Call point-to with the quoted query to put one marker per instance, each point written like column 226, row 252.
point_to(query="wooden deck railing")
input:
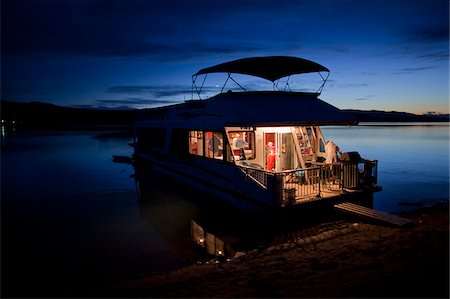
column 257, row 175
column 310, row 182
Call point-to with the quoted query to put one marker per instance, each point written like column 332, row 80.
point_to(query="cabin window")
column 310, row 135
column 207, row 143
column 242, row 144
column 196, row 143
column 214, row 144
column 178, row 146
column 151, row 138
column 322, row 146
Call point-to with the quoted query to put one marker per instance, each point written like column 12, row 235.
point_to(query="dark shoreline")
column 43, row 116
column 355, row 259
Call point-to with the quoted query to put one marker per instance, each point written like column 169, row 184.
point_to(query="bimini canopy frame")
column 271, row 68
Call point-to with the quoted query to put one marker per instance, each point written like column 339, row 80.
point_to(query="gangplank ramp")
column 372, row 214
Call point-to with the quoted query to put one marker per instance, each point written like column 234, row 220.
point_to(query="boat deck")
column 326, row 194
column 308, row 193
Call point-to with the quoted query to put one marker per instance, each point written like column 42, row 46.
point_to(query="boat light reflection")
column 211, row 244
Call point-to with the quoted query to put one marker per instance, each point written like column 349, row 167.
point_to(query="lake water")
column 72, row 220
column 413, row 160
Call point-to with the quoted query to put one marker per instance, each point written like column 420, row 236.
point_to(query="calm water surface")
column 413, row 160
column 73, row 220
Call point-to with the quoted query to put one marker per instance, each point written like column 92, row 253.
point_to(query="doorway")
column 270, row 155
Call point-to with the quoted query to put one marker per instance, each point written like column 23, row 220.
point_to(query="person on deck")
column 271, row 150
column 239, row 143
column 331, row 150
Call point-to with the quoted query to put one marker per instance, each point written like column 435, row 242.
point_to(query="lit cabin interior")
column 290, row 147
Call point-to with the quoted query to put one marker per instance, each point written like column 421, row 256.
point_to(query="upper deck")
column 281, row 107
column 251, row 109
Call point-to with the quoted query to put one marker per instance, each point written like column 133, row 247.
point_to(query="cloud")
column 134, row 101
column 158, row 91
column 159, row 31
column 366, row 98
column 429, row 42
column 410, row 70
column 369, row 73
column 127, row 103
column 352, row 85
column 429, row 34
column 144, row 96
column 435, row 55
column 162, row 90
column 336, row 49
column 99, row 107
column 154, row 91
column 103, row 45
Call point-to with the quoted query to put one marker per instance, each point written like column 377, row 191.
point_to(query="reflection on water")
column 209, row 242
column 201, row 228
column 197, row 228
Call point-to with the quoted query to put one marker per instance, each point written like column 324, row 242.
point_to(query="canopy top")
column 270, row 68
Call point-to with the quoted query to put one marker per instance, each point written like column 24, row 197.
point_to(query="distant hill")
column 38, row 116
column 393, row 116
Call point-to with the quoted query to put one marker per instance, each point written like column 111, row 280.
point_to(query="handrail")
column 259, row 176
column 325, row 177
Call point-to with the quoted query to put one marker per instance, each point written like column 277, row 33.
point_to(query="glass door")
column 287, row 151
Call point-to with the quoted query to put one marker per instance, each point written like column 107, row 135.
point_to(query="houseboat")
column 261, row 148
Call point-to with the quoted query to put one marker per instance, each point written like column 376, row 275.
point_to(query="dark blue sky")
column 384, row 55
